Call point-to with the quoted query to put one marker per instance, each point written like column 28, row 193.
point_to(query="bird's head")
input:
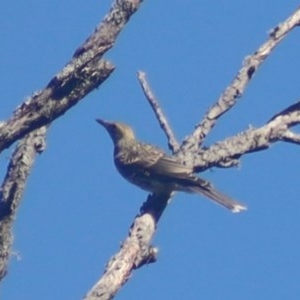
column 118, row 132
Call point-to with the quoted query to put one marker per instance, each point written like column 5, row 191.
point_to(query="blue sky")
column 77, row 209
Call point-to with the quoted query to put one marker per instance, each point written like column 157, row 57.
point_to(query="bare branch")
column 135, row 251
column 291, row 137
column 289, row 116
column 231, row 94
column 59, row 96
column 106, row 33
column 162, row 119
column 13, row 186
column 227, row 152
column 85, row 72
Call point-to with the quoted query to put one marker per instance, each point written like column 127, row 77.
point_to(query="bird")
column 151, row 169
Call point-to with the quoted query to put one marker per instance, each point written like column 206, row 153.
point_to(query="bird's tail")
column 203, row 187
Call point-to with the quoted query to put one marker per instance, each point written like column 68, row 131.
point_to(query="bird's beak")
column 103, row 123
column 110, row 128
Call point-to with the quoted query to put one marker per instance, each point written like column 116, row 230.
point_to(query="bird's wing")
column 170, row 165
column 139, row 155
column 155, row 160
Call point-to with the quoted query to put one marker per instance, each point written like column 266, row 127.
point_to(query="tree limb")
column 85, row 72
column 13, row 186
column 134, row 252
column 231, row 94
column 226, row 153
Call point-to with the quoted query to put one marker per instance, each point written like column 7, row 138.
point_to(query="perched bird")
column 151, row 169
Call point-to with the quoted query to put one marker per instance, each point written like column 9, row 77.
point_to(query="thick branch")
column 59, row 96
column 227, row 153
column 231, row 94
column 63, row 92
column 134, row 252
column 13, row 186
column 83, row 74
column 106, row 33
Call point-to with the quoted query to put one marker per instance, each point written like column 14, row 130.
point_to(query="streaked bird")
column 151, row 169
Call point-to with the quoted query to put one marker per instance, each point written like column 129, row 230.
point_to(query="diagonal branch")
column 162, row 119
column 134, row 252
column 231, row 94
column 85, row 72
column 58, row 97
column 227, row 152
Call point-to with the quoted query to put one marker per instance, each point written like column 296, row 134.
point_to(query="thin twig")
column 161, row 117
